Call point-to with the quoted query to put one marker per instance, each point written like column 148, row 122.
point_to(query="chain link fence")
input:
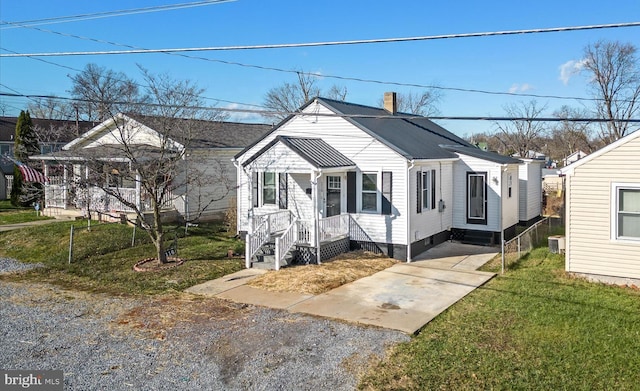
column 535, row 236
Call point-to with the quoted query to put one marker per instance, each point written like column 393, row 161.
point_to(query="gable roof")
column 204, row 134
column 314, row 150
column 568, row 170
column 413, row 137
column 63, row 130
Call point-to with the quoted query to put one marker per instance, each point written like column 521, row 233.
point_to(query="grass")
column 535, row 327
column 316, row 279
column 10, row 214
column 103, row 257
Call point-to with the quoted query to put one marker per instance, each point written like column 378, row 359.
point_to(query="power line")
column 326, row 76
column 326, row 43
column 108, row 14
column 388, row 116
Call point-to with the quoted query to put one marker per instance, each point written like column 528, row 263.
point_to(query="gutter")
column 411, row 165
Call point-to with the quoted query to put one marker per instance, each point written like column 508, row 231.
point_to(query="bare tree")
column 568, row 137
column 150, row 148
column 424, row 103
column 522, row 135
column 287, row 98
column 52, row 108
column 101, row 91
column 614, row 76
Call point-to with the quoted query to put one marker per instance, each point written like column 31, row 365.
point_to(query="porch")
column 61, row 194
column 281, row 239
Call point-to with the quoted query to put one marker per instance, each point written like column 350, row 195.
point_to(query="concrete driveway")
column 403, row 297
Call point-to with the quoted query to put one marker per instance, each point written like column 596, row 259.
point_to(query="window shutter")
column 387, row 177
column 254, row 184
column 282, row 194
column 351, row 192
column 433, row 189
column 419, row 192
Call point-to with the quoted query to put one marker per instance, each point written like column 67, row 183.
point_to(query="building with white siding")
column 339, row 176
column 602, row 207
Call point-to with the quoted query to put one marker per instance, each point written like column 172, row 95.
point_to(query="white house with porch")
column 210, row 148
column 339, row 176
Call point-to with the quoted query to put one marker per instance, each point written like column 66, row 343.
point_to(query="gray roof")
column 480, row 154
column 53, row 130
column 211, row 134
column 314, row 150
column 411, row 136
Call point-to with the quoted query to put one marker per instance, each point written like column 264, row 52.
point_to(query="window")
column 510, row 184
column 628, row 213
column 269, row 188
column 426, row 185
column 369, row 192
column 476, row 198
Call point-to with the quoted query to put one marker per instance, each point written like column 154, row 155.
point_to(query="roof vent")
column 391, row 102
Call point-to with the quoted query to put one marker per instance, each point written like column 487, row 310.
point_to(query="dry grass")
column 316, row 279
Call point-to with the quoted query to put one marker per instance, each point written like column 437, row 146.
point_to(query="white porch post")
column 315, row 176
column 65, row 185
column 138, row 192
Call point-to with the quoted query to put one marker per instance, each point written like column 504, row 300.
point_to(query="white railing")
column 306, row 232
column 286, row 241
column 334, row 226
column 255, row 240
column 55, row 196
column 115, row 204
column 278, row 221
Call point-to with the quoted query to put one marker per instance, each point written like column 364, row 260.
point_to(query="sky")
column 541, row 64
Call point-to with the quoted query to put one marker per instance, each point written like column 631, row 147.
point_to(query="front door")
column 333, row 196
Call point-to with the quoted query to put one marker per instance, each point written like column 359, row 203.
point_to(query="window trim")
column 263, row 187
column 615, row 202
column 376, row 191
column 477, row 220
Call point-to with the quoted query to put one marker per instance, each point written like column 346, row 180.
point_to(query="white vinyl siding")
column 591, row 249
column 429, row 222
column 370, row 156
column 530, row 189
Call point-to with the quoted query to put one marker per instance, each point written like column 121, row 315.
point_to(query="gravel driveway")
column 178, row 342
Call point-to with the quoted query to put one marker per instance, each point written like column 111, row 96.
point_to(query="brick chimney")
column 390, row 102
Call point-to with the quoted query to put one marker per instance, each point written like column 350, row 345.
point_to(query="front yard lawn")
column 103, row 257
column 10, row 214
column 534, row 327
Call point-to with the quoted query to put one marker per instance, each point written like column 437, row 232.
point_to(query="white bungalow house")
column 338, row 176
column 208, row 150
column 530, row 183
column 602, row 206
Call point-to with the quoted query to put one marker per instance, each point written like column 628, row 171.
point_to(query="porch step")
column 268, row 262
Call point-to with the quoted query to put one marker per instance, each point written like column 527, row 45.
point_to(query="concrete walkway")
column 403, row 297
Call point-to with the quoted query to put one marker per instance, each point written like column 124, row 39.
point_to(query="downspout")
column 236, row 164
column 316, row 217
column 503, row 169
column 411, row 165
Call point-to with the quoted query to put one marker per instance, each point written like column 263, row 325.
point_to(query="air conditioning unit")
column 556, row 244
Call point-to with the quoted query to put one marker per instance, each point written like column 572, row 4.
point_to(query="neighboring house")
column 530, row 182
column 574, row 157
column 211, row 148
column 52, row 135
column 602, row 202
column 340, row 176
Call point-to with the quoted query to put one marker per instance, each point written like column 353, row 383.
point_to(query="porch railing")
column 333, row 226
column 285, row 242
column 296, row 232
column 255, row 240
column 55, row 196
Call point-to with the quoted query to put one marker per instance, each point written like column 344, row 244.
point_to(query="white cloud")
column 569, row 69
column 242, row 116
column 520, row 88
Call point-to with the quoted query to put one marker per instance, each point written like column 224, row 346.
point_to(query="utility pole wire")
column 389, row 116
column 108, row 14
column 326, row 43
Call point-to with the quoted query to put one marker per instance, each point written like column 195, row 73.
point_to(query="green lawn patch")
column 103, row 257
column 10, row 214
column 534, row 327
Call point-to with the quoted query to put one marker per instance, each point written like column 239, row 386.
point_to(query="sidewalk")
column 9, row 227
column 403, row 297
